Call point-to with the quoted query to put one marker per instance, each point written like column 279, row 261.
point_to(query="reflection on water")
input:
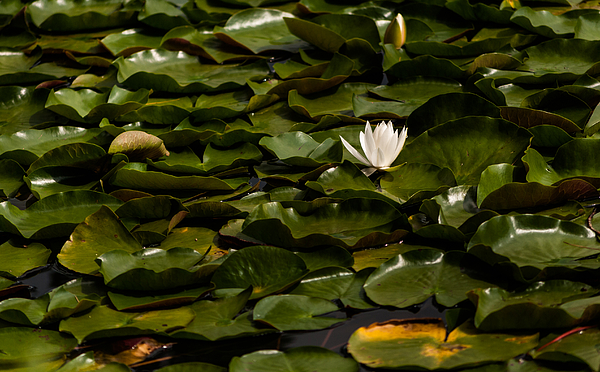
column 221, row 352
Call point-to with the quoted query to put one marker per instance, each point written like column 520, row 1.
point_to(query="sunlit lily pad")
column 329, row 283
column 17, row 259
column 178, row 72
column 88, row 106
column 259, row 30
column 71, row 16
column 540, row 241
column 363, row 222
column 102, row 321
column 99, row 233
column 422, row 343
column 153, row 269
column 56, row 215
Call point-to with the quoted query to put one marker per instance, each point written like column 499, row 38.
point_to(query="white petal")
column 400, row 145
column 368, row 143
column 354, row 153
column 368, row 171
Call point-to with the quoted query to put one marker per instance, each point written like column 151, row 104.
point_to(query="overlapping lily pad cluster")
column 183, row 159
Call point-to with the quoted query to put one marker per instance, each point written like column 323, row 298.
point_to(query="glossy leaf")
column 102, row 321
column 153, row 269
column 414, row 276
column 295, row 312
column 422, row 343
column 267, row 269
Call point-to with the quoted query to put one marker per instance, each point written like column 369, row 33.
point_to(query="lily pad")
column 178, row 72
column 551, row 304
column 44, row 346
column 99, row 233
column 221, row 318
column 295, row 312
column 412, row 277
column 422, row 343
column 541, row 242
column 267, row 269
column 298, row 148
column 54, row 216
column 313, row 358
column 464, row 147
column 268, row 33
column 363, row 222
column 102, row 321
column 15, row 260
column 153, row 269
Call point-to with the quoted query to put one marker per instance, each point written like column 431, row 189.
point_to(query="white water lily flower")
column 381, row 147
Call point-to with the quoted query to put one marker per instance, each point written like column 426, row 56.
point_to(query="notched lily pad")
column 422, row 343
column 361, row 223
column 153, row 269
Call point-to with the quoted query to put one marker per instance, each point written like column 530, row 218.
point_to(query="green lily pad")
column 131, row 41
column 330, row 31
column 539, row 243
column 86, row 105
column 192, row 366
column 102, row 321
column 99, row 233
column 135, row 176
column 302, row 358
column 295, row 312
column 551, row 304
column 43, row 346
column 329, row 283
column 24, row 311
column 178, row 72
column 139, row 303
column 153, row 269
column 12, row 177
column 577, row 347
column 268, row 33
column 363, row 222
column 19, row 68
column 72, row 16
column 564, row 59
column 412, row 93
column 422, row 343
column 446, row 107
column 202, row 42
column 162, row 14
column 465, row 148
column 300, row 149
column 413, row 181
column 221, row 318
column 74, row 296
column 22, row 108
column 412, row 277
column 54, row 216
column 215, row 159
column 267, row 269
column 571, row 160
column 332, row 256
column 17, row 259
column 547, row 24
column 26, row 146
